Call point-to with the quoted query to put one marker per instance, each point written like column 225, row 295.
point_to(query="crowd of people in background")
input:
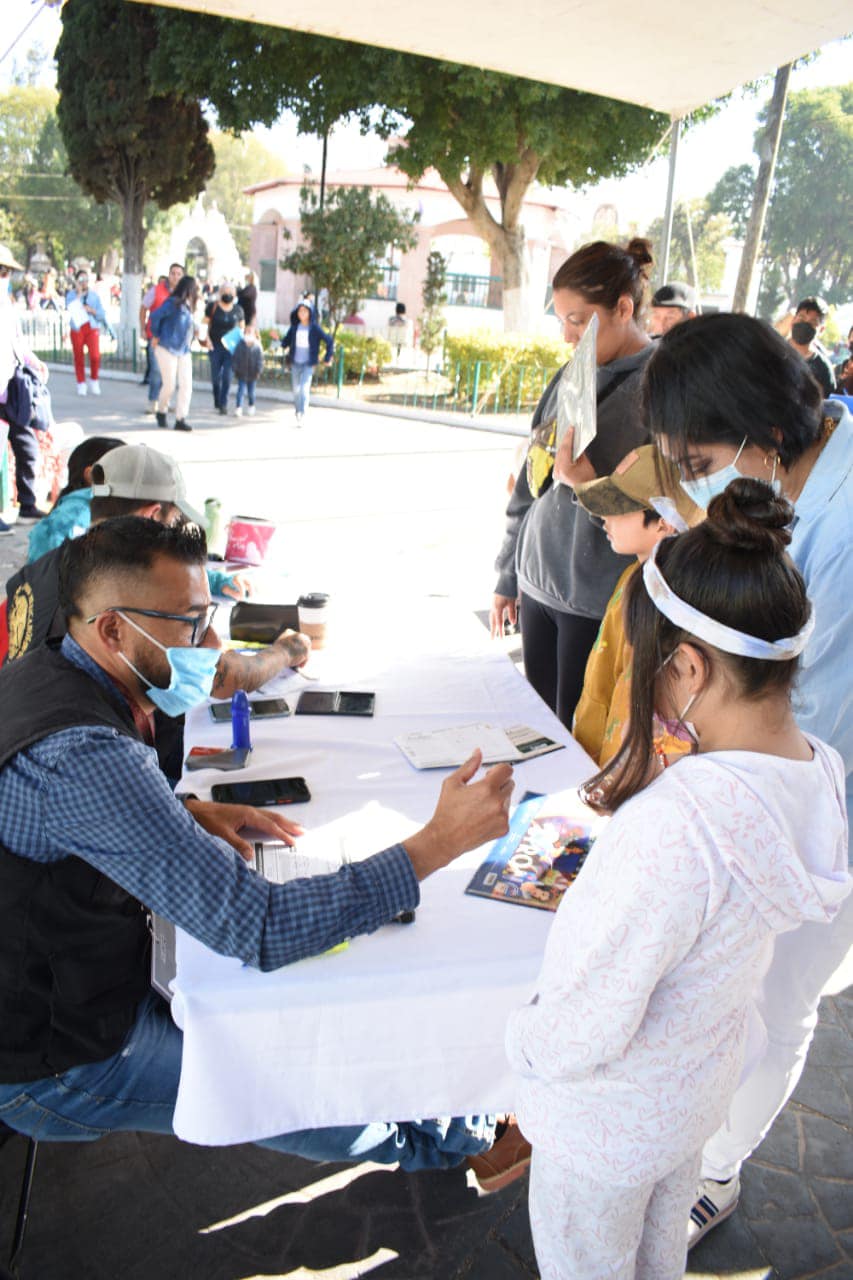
column 222, row 310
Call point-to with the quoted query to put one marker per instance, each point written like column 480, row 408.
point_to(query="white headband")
column 667, row 510
column 716, row 633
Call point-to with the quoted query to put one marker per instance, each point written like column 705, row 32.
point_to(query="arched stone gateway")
column 204, row 243
column 196, row 258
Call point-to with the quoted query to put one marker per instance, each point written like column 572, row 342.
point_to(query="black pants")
column 26, row 450
column 555, row 647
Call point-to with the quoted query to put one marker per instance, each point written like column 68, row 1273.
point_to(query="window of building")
column 267, row 274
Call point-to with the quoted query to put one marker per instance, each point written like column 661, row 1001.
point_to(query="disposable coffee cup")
column 314, row 617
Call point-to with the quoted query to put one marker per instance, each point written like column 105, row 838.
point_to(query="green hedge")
column 363, row 351
column 514, row 366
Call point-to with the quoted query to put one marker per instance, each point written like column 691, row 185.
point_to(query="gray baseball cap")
column 676, row 294
column 137, row 471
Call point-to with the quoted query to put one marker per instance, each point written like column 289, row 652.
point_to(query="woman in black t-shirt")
column 223, row 316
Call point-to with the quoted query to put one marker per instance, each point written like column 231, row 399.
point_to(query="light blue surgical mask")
column 192, row 675
column 704, row 488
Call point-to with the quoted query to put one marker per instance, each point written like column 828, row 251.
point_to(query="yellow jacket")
column 602, row 712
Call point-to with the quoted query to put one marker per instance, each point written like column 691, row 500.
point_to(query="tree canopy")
column 127, row 141
column 239, row 162
column 807, row 242
column 345, row 243
column 710, row 230
column 47, row 208
column 732, row 195
column 470, row 125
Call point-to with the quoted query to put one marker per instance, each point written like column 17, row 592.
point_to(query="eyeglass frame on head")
column 193, row 620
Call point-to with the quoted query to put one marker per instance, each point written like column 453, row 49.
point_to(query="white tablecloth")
column 408, row 1022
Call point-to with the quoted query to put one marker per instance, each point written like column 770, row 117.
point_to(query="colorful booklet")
column 547, row 843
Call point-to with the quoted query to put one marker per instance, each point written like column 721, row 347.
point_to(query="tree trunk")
column 517, row 308
column 768, row 151
column 133, row 246
column 506, row 238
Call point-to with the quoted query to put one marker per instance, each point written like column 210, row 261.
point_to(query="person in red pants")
column 86, row 314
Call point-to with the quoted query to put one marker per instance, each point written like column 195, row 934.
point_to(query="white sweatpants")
column 588, row 1231
column 174, row 368
column 803, row 963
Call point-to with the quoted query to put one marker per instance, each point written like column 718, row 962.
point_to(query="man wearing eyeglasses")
column 90, row 831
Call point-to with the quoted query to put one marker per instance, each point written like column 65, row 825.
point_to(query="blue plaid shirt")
column 99, row 795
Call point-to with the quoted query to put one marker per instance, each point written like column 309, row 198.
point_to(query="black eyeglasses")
column 200, row 622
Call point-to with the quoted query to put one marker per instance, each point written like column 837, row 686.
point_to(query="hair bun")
column 751, row 516
column 641, row 251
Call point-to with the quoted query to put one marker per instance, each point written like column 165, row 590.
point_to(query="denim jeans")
column 220, row 374
column 245, row 387
column 155, row 378
column 300, row 377
column 25, row 447
column 136, row 1090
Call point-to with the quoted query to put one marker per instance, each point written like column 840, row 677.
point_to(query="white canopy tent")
column 662, row 54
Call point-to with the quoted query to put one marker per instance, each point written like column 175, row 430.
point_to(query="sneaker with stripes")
column 715, row 1202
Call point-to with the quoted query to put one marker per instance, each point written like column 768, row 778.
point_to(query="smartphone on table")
column 263, row 793
column 260, row 709
column 335, row 702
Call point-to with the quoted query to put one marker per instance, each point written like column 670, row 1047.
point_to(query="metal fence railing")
column 473, row 291
column 48, row 335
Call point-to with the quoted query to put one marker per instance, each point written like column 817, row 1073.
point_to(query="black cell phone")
column 263, row 709
column 262, row 792
column 322, row 702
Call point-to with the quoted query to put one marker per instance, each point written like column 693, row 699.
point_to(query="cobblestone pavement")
column 142, row 1207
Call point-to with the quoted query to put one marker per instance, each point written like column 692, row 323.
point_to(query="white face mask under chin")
column 688, row 724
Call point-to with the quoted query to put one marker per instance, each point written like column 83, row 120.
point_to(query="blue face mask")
column 192, row 675
column 705, row 488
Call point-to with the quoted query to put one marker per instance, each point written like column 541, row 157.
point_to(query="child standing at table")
column 636, row 514
column 644, row 1018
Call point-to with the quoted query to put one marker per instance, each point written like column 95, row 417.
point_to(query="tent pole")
column 693, row 268
column 667, row 218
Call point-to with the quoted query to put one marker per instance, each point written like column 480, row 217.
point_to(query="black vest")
column 74, row 946
column 33, row 612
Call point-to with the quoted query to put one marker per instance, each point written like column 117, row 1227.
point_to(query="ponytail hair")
column 734, row 568
column 602, row 273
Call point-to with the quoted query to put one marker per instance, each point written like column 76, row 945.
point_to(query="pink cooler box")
column 249, row 539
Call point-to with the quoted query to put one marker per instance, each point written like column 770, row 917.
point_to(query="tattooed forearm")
column 247, row 671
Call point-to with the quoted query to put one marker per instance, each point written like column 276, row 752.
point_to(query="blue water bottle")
column 240, row 715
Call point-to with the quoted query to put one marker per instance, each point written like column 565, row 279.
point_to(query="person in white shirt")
column 645, row 1018
column 302, row 341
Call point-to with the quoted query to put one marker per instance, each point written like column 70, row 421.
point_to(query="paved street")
column 371, row 506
